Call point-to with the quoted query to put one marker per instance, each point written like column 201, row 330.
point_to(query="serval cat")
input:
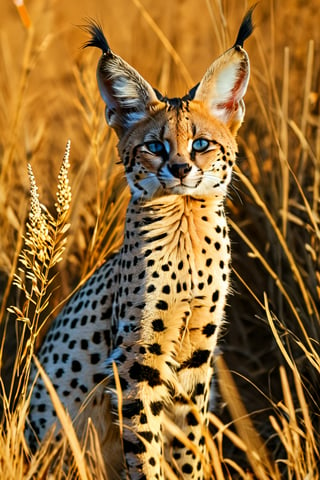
column 155, row 308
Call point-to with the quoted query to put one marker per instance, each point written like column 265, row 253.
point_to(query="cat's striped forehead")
column 178, row 122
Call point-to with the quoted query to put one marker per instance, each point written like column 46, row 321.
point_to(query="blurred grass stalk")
column 23, row 13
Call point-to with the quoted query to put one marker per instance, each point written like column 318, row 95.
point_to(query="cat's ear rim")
column 225, row 83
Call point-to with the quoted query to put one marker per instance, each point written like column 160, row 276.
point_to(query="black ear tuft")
column 97, row 36
column 246, row 27
column 190, row 95
column 159, row 95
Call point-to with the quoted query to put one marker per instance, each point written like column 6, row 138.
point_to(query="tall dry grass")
column 267, row 422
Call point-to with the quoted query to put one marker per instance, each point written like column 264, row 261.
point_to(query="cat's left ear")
column 225, row 83
column 127, row 95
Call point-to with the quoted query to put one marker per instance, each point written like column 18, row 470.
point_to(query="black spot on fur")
column 187, row 468
column 144, row 373
column 136, row 448
column 162, row 305
column 209, row 329
column 198, row 358
column 96, row 338
column 199, row 389
column 155, row 348
column 143, row 418
column 156, row 408
column 177, row 444
column 94, row 358
column 147, row 436
column 215, row 296
column 191, row 419
column 166, row 289
column 131, row 409
column 76, row 366
column 78, row 307
column 158, row 325
column 59, row 372
column 74, row 383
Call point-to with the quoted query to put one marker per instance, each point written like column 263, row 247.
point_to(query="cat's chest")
column 182, row 250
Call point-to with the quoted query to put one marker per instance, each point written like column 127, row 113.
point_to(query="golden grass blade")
column 316, row 183
column 283, row 243
column 277, row 280
column 176, row 432
column 301, row 452
column 287, row 395
column 276, row 335
column 214, row 456
column 120, row 399
column 312, row 213
column 10, row 280
column 94, row 457
column 243, row 475
column 283, row 145
column 223, row 429
column 313, row 357
column 256, row 451
column 8, row 155
column 166, row 43
column 215, row 24
column 41, row 462
column 306, row 106
column 251, row 159
column 309, row 430
column 253, row 295
column 303, row 141
column 66, row 424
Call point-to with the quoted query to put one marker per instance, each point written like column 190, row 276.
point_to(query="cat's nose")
column 179, row 170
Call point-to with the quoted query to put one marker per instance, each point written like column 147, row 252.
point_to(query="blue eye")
column 156, row 147
column 200, row 145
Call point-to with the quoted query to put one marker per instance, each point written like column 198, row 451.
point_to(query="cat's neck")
column 162, row 223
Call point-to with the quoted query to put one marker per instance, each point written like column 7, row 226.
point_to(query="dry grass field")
column 266, row 424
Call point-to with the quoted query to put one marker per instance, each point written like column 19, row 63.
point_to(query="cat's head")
column 178, row 146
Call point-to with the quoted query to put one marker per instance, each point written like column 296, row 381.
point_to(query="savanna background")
column 266, row 423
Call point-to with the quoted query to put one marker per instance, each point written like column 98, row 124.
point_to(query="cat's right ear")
column 225, row 83
column 127, row 95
